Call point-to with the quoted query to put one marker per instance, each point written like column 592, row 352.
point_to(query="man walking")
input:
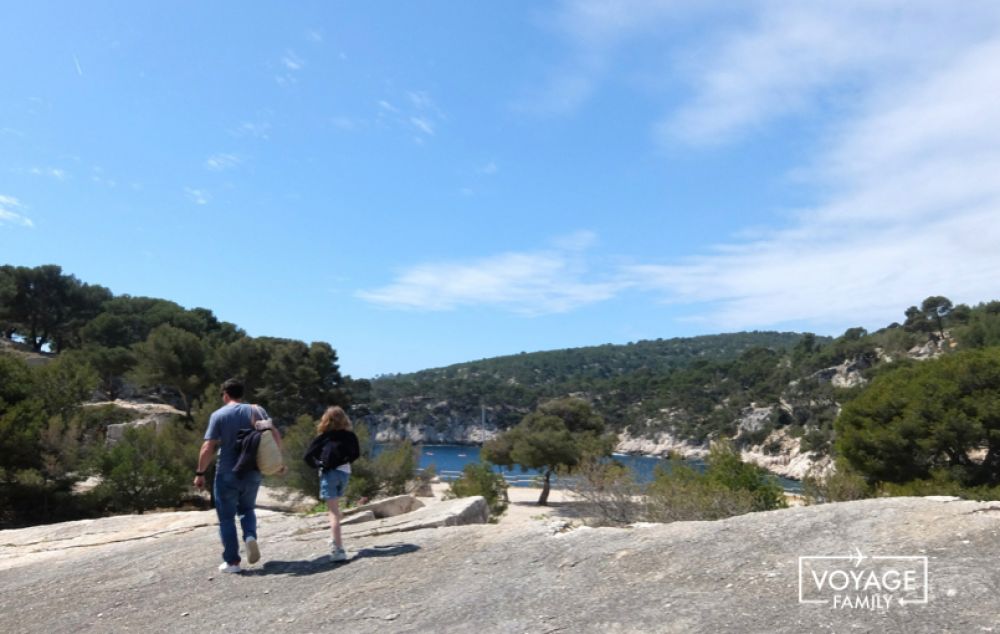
column 235, row 494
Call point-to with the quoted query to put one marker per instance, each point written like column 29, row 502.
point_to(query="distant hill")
column 507, row 387
column 777, row 393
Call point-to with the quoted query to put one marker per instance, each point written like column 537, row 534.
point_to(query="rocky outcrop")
column 144, row 415
column 846, row 375
column 782, row 454
column 660, row 444
column 390, row 507
column 450, row 430
column 743, row 574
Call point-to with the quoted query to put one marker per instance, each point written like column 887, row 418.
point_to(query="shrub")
column 728, row 487
column 609, row 493
column 144, row 470
column 842, row 485
column 394, row 466
column 480, row 479
column 682, row 494
column 726, row 469
column 294, row 443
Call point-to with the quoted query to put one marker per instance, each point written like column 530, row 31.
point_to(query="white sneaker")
column 338, row 554
column 253, row 550
column 231, row 568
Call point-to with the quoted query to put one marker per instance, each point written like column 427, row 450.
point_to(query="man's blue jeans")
column 236, row 495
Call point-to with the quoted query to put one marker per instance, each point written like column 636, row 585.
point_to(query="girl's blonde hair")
column 333, row 418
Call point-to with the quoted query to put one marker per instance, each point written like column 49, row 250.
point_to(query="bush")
column 609, row 493
column 726, row 469
column 843, row 485
column 294, row 443
column 394, row 466
column 940, row 483
column 728, row 487
column 480, row 479
column 144, row 470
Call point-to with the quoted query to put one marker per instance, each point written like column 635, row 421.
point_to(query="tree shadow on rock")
column 323, row 564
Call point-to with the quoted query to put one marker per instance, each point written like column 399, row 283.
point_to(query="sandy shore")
column 523, row 508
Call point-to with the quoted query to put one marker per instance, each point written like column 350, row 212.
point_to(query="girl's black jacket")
column 332, row 449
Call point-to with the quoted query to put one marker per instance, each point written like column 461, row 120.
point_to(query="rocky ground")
column 527, row 573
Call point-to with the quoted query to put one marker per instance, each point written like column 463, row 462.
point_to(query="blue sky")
column 428, row 183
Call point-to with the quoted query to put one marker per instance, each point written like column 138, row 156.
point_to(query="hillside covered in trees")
column 693, row 388
column 66, row 346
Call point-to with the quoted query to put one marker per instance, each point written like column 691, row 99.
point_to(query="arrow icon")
column 858, row 557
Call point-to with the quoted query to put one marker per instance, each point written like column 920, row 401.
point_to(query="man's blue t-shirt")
column 223, row 426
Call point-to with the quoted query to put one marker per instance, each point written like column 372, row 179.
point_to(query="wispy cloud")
column 254, row 129
column 489, row 169
column 197, row 196
column 912, row 205
column 11, row 212
column 527, row 283
column 417, row 113
column 292, row 61
column 53, row 172
column 79, row 69
column 222, row 162
column 315, row 36
column 289, row 66
column 423, row 125
column 906, row 203
column 344, row 123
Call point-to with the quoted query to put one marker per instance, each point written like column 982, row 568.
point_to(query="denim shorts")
column 332, row 484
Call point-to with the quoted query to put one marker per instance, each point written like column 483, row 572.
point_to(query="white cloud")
column 197, row 196
column 314, row 36
column 420, row 115
column 79, row 69
column 292, row 61
column 792, row 58
column 255, row 129
column 489, row 169
column 344, row 123
column 423, row 125
column 913, row 203
column 54, row 172
column 531, row 283
column 221, row 162
column 908, row 203
column 10, row 211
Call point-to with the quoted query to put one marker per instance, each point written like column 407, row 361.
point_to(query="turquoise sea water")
column 448, row 461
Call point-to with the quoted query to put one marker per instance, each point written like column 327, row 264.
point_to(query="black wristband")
column 199, row 473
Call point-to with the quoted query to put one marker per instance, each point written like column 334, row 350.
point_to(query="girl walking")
column 332, row 451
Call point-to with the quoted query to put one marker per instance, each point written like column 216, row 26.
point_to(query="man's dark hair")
column 233, row 388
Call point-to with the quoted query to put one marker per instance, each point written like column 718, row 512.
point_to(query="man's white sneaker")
column 224, row 567
column 253, row 550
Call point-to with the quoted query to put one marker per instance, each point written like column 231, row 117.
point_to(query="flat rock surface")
column 735, row 575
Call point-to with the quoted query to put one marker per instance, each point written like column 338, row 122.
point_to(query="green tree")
column 111, row 366
column 46, row 307
column 555, row 436
column 919, row 418
column 935, row 309
column 175, row 358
